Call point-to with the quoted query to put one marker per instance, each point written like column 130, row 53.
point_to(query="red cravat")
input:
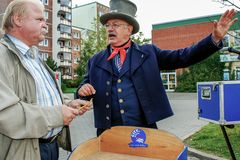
column 122, row 52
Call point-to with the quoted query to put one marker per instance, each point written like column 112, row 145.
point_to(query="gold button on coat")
column 120, row 100
column 121, row 111
column 119, row 80
column 119, row 90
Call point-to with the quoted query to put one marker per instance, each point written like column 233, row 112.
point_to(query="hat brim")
column 132, row 21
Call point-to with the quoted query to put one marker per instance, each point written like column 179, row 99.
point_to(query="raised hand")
column 222, row 26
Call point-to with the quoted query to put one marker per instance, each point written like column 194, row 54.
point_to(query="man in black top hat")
column 124, row 79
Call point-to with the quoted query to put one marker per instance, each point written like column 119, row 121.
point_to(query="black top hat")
column 122, row 9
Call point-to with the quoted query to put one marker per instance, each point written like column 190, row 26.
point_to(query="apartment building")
column 76, row 50
column 88, row 13
column 62, row 36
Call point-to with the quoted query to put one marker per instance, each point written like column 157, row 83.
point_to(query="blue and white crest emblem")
column 138, row 137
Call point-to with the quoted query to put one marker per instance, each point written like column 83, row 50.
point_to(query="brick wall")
column 180, row 36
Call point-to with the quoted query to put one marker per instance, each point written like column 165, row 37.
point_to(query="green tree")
column 52, row 64
column 94, row 42
column 211, row 69
column 139, row 38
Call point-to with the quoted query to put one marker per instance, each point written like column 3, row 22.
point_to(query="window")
column 44, row 43
column 237, row 38
column 41, row 43
column 169, row 80
column 64, row 29
column 76, row 60
column 45, row 2
column 65, row 3
column 225, row 41
column 46, row 15
column 76, row 35
column 76, row 48
column 100, row 13
column 44, row 56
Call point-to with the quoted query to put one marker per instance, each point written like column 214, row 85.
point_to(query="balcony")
column 65, row 64
column 65, row 3
column 65, row 49
column 66, row 9
column 66, row 77
column 65, row 31
column 65, row 15
column 65, row 36
column 65, row 22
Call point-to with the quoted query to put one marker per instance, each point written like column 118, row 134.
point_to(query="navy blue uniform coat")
column 145, row 64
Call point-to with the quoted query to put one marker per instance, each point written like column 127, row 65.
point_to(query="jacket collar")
column 103, row 62
column 9, row 44
column 137, row 58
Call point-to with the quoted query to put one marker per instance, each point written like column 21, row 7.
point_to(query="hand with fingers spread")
column 86, row 90
column 222, row 26
column 81, row 105
column 69, row 114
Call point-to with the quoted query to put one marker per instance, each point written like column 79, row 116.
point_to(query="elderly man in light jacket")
column 33, row 112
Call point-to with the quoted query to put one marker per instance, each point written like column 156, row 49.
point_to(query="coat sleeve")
column 181, row 58
column 20, row 120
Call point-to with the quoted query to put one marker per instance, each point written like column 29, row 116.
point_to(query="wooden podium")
column 131, row 143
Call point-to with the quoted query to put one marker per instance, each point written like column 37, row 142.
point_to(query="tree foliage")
column 211, row 69
column 139, row 38
column 94, row 42
column 52, row 64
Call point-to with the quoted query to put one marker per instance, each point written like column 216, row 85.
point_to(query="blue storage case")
column 219, row 102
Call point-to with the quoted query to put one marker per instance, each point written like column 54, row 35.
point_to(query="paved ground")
column 182, row 124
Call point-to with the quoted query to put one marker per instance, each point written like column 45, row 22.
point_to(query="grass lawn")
column 211, row 140
column 69, row 90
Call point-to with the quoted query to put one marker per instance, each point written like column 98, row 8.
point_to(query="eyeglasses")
column 114, row 26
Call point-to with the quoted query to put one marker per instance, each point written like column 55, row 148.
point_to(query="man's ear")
column 130, row 28
column 17, row 20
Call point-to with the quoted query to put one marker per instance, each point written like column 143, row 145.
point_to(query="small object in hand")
column 88, row 105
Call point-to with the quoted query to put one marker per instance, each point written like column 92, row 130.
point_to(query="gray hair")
column 16, row 7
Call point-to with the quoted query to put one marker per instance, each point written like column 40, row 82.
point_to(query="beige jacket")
column 22, row 122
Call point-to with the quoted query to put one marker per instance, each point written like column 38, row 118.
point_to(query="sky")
column 151, row 12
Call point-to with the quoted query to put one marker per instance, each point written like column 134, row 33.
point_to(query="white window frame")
column 46, row 15
column 46, row 42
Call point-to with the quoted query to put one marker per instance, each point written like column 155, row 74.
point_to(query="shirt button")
column 107, row 118
column 122, row 111
column 108, row 82
column 119, row 80
column 120, row 100
column 119, row 90
column 107, row 94
column 107, row 106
